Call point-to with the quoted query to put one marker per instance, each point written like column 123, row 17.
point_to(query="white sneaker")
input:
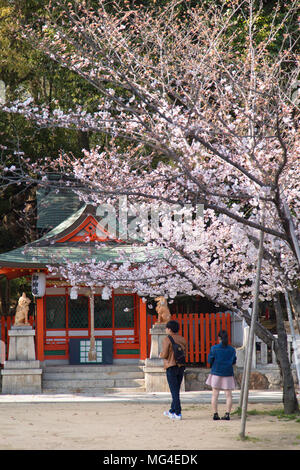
column 175, row 416
column 168, row 414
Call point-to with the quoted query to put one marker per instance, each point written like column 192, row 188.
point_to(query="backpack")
column 178, row 352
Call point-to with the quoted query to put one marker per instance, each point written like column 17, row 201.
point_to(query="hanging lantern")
column 38, row 284
column 73, row 293
column 106, row 293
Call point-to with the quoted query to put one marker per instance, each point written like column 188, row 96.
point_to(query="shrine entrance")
column 67, row 326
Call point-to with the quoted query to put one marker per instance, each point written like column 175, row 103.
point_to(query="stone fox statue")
column 162, row 309
column 21, row 317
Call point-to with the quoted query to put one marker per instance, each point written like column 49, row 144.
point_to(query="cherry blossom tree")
column 192, row 117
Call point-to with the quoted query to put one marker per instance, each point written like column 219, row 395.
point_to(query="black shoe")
column 226, row 417
column 216, row 417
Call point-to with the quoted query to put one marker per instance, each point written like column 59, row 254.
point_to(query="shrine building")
column 62, row 323
column 120, row 325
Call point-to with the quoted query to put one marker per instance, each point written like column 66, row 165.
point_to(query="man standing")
column 174, row 371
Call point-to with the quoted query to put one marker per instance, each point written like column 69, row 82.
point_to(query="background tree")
column 26, row 72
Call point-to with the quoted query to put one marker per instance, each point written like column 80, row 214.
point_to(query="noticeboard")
column 79, row 350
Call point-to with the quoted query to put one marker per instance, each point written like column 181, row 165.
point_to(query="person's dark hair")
column 173, row 325
column 224, row 337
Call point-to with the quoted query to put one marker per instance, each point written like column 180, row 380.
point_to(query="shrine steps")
column 92, row 378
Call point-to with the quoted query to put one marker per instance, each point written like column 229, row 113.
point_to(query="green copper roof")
column 41, row 256
column 54, row 205
column 63, row 226
column 48, row 251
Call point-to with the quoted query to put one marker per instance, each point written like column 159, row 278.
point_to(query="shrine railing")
column 200, row 331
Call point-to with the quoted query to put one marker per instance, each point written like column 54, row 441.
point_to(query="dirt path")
column 124, row 426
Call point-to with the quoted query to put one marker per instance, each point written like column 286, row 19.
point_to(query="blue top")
column 221, row 359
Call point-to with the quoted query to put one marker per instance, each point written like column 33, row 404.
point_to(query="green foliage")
column 279, row 413
column 28, row 73
column 249, row 439
column 16, row 288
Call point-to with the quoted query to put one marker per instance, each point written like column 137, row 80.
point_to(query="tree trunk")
column 83, row 140
column 280, row 346
column 295, row 303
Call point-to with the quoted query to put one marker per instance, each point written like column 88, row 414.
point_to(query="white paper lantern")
column 106, row 293
column 38, row 284
column 73, row 293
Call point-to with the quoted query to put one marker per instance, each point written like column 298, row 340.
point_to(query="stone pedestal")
column 21, row 373
column 155, row 374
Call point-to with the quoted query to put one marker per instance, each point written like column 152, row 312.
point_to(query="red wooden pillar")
column 197, row 349
column 191, row 338
column 202, row 337
column 143, row 329
column 208, row 341
column 40, row 328
column 228, row 321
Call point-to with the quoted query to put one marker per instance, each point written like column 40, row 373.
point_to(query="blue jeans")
column 174, row 378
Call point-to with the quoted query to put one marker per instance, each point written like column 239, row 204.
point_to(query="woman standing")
column 222, row 356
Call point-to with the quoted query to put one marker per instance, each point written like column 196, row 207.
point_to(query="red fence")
column 200, row 331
